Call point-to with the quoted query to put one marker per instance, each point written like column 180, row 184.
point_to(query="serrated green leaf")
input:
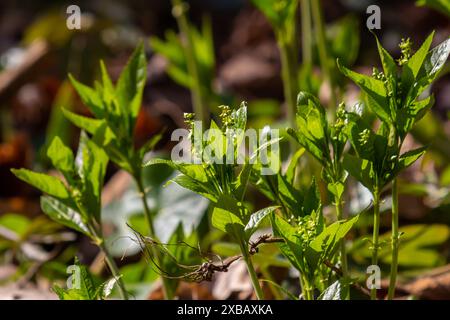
column 61, row 156
column 326, row 243
column 91, row 163
column 130, row 85
column 256, row 219
column 412, row 67
column 361, row 169
column 48, row 184
column 89, row 97
column 308, row 145
column 228, row 216
column 311, row 201
column 193, row 185
column 408, row 158
column 432, row 64
column 374, row 89
column 338, row 290
column 105, row 289
column 389, row 66
column 64, row 215
column 291, row 248
column 89, row 124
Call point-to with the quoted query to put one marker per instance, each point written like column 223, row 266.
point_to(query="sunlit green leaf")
column 48, row 184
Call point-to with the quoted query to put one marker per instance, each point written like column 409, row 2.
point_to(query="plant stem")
column 198, row 103
column 251, row 270
column 306, row 32
column 376, row 227
column 289, row 77
column 307, row 290
column 114, row 270
column 290, row 82
column 323, row 49
column 148, row 214
column 149, row 217
column 343, row 256
column 395, row 238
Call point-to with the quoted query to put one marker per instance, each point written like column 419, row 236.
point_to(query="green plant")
column 326, row 143
column 223, row 183
column 319, row 45
column 282, row 15
column 323, row 50
column 77, row 203
column 309, row 243
column 303, row 228
column 396, row 99
column 115, row 109
column 191, row 58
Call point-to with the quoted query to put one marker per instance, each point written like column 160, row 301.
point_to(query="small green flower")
column 189, row 119
column 406, row 48
column 341, row 121
column 306, row 229
column 378, row 74
column 388, row 86
column 226, row 116
column 364, row 136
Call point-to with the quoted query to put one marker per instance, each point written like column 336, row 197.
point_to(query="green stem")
column 147, row 212
column 307, row 289
column 306, row 31
column 251, row 270
column 95, row 229
column 376, row 228
column 343, row 255
column 289, row 77
column 149, row 217
column 323, row 49
column 114, row 270
column 198, row 103
column 395, row 238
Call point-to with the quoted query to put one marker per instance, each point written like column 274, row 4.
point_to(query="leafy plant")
column 223, row 183
column 326, row 143
column 191, row 60
column 396, row 99
column 76, row 202
column 283, row 18
column 300, row 224
column 309, row 242
column 115, row 109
